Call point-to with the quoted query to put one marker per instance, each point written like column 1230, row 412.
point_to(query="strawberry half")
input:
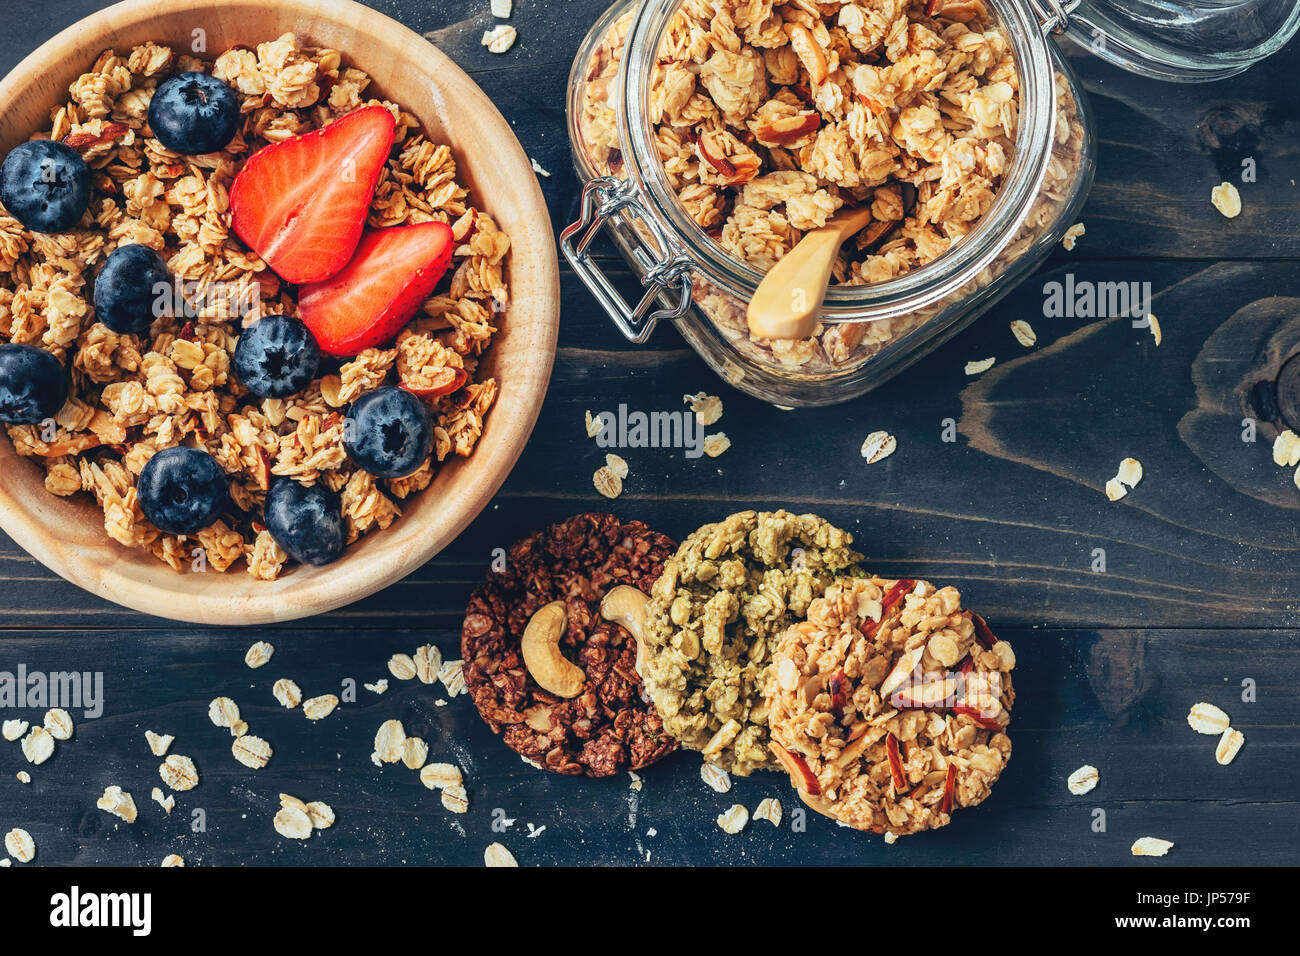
column 393, row 272
column 301, row 204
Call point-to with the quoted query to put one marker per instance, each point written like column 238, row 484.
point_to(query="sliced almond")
column 809, row 53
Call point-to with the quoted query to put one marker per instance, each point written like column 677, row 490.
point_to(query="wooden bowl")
column 67, row 534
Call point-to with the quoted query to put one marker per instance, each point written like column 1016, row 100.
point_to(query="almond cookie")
column 889, row 705
column 715, row 617
column 545, row 669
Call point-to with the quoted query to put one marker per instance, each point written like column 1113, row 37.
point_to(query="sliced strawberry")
column 301, row 204
column 393, row 272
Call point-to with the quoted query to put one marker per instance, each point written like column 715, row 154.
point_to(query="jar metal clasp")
column 613, row 202
column 1054, row 15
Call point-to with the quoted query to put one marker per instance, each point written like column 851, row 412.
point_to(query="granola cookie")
column 604, row 724
column 715, row 616
column 889, row 704
column 133, row 395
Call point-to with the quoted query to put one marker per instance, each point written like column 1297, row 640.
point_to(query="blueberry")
column 193, row 114
column 276, row 357
column 126, row 288
column 306, row 522
column 33, row 385
column 182, row 490
column 45, row 185
column 387, row 432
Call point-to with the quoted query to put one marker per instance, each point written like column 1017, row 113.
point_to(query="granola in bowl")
column 889, row 704
column 174, row 383
column 714, row 619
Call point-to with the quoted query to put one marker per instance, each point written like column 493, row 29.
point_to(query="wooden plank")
column 1115, row 699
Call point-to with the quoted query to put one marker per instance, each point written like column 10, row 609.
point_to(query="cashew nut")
column 542, row 657
column 626, row 605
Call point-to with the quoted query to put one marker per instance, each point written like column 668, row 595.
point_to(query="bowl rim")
column 122, row 577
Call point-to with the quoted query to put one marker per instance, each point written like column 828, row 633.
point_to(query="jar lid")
column 1188, row 41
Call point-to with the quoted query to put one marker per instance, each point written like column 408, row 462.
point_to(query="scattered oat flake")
column 1024, row 333
column 734, row 820
column 179, row 772
column 223, row 712
column 592, row 425
column 607, row 482
column 498, row 855
column 1154, row 325
column 500, row 38
column 537, row 168
column 1072, row 235
column 1226, row 199
column 119, row 803
column 1207, row 719
column 1228, row 746
column 389, row 741
column 259, row 654
column 414, row 753
column 172, row 860
column 878, row 446
column 158, row 743
column 715, row 777
column 38, row 746
column 534, row 831
column 292, row 823
column 1151, row 846
column 983, row 365
column 891, row 837
column 1286, row 449
column 617, row 465
column 1083, row 780
column 428, row 661
column 166, row 802
column 252, row 752
column 401, row 666
column 716, row 444
column 24, row 776
column 707, row 408
column 452, row 675
column 318, row 708
column 13, row 729
column 1130, row 472
column 287, row 692
column 769, row 809
column 1115, row 490
column 636, row 783
column 321, row 814
column 438, row 776
column 378, row 687
column 502, row 8
column 20, row 845
column 59, row 723
column 455, row 799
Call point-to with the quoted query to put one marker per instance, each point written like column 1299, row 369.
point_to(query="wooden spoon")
column 788, row 300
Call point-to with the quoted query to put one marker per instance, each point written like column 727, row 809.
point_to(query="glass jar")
column 868, row 332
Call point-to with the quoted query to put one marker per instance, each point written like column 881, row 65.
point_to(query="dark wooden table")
column 1201, row 588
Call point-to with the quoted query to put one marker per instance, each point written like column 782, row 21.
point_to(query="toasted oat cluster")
column 888, row 705
column 714, row 619
column 134, row 395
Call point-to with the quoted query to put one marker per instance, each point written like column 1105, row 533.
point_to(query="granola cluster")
column 134, row 395
column 770, row 117
column 714, row 619
column 604, row 725
column 889, row 705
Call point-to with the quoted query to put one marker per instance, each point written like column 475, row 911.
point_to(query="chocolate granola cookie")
column 715, row 617
column 889, row 705
column 546, row 670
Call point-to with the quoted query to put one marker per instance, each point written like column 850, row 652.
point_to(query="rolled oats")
column 378, row 687
column 439, row 776
column 292, row 823
column 20, row 845
column 502, row 8
column 401, row 666
column 1151, row 846
column 734, row 819
column 607, row 482
column 716, row 444
column 119, row 803
column 714, row 618
column 318, row 708
column 38, row 746
column 390, row 741
column 414, row 753
column 874, row 751
column 455, row 798
column 1154, row 324
column 321, row 814
column 617, row 466
column 769, row 809
column 1286, row 449
column 24, row 776
column 179, row 772
column 877, row 446
column 715, row 777
column 500, row 38
column 59, row 723
column 253, row 752
column 13, row 729
column 1207, row 719
column 1024, row 333
column 1228, row 746
column 1226, row 199
column 133, row 395
column 452, row 675
column 259, row 654
column 172, row 859
column 707, row 408
column 1083, row 780
column 167, row 802
column 428, row 660
column 979, row 367
column 1072, row 235
column 287, row 693
column 223, row 712
column 498, row 855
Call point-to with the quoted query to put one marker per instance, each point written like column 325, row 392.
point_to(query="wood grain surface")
column 1201, row 588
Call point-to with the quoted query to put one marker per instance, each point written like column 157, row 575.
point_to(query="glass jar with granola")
column 712, row 134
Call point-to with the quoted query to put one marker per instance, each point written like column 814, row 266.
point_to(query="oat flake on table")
column 59, row 723
column 259, row 654
column 1207, row 719
column 500, row 38
column 1226, row 199
column 1024, row 333
column 20, row 845
column 878, row 446
column 252, row 752
column 981, row 366
column 769, row 809
column 1073, row 234
column 1083, row 780
column 1151, row 846
column 498, row 855
column 734, row 819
